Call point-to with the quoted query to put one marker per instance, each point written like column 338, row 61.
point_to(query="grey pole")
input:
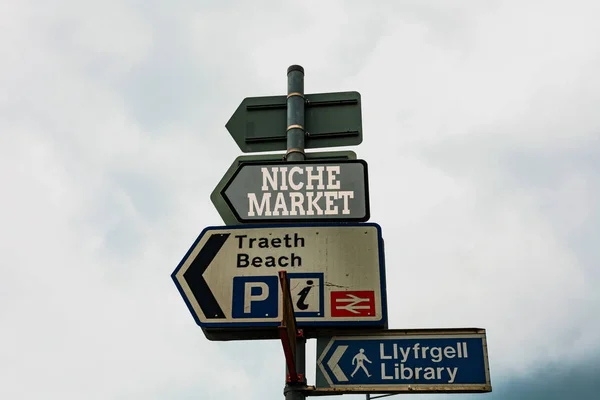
column 295, row 152
column 295, row 114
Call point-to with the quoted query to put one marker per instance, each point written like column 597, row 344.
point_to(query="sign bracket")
column 288, row 332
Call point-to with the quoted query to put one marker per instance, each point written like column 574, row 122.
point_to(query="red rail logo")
column 353, row 304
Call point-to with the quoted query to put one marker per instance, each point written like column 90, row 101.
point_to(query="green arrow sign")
column 224, row 208
column 331, row 120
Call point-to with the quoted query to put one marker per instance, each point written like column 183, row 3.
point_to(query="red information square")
column 359, row 303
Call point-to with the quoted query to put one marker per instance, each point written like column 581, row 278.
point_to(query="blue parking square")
column 255, row 297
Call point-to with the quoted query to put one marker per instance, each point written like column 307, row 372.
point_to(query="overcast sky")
column 481, row 131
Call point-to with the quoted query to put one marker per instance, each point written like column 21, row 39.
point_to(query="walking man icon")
column 359, row 359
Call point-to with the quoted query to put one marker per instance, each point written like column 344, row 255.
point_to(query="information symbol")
column 301, row 304
column 306, row 289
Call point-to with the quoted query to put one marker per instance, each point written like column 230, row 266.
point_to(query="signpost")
column 336, row 272
column 404, row 361
column 331, row 120
column 221, row 205
column 309, row 265
column 301, row 191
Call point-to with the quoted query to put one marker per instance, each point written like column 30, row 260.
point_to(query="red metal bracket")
column 288, row 333
column 300, row 379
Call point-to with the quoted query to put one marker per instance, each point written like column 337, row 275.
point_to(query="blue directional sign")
column 441, row 360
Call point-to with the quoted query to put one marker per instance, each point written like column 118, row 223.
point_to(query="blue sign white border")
column 310, row 325
column 462, row 333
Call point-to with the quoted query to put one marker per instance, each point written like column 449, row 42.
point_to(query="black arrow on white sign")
column 193, row 276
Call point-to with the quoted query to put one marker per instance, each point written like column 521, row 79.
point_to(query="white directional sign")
column 336, row 274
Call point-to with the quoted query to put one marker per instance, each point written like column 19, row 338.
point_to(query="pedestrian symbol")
column 359, row 359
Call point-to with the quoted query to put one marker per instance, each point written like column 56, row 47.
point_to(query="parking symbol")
column 255, row 297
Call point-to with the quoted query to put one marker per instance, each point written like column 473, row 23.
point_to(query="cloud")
column 78, row 314
column 488, row 189
column 551, row 381
column 556, row 382
column 480, row 132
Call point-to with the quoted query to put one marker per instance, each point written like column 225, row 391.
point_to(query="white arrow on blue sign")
column 440, row 360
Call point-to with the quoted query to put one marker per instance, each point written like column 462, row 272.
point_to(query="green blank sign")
column 331, row 120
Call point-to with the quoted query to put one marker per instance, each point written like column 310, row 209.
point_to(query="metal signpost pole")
column 295, row 152
column 295, row 114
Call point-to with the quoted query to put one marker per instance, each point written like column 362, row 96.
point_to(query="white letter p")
column 249, row 297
